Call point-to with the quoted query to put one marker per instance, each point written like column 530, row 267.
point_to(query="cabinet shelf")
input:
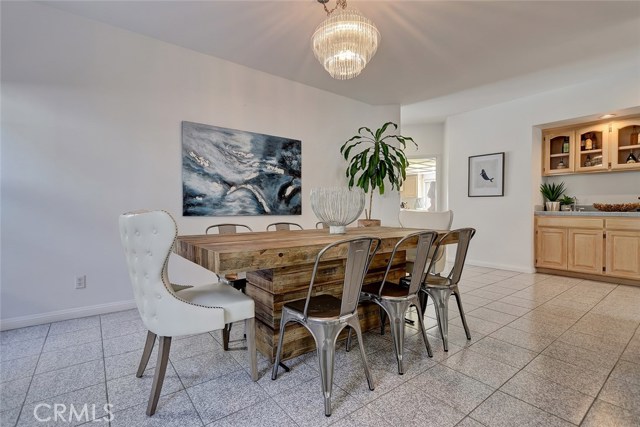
column 599, row 150
column 628, row 147
column 559, row 155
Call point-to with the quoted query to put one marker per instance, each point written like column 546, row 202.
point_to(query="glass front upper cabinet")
column 558, row 153
column 592, row 148
column 625, row 144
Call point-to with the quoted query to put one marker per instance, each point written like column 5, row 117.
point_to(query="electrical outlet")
column 81, row 282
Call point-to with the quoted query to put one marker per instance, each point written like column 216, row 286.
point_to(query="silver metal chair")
column 396, row 299
column 325, row 316
column 440, row 288
column 227, row 228
column 237, row 280
column 283, row 226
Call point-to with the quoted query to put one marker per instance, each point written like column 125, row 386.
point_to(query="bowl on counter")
column 617, row 207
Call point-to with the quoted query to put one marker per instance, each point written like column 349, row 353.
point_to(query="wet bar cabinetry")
column 597, row 247
column 605, row 146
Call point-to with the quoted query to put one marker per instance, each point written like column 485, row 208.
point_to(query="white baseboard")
column 72, row 313
column 518, row 268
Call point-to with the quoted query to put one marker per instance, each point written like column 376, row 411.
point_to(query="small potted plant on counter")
column 567, row 203
column 551, row 193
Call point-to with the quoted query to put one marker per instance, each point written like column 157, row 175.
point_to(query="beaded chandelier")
column 344, row 42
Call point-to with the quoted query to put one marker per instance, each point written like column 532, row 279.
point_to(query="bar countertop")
column 588, row 213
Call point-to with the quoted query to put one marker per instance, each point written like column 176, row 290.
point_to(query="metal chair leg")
column 325, row 335
column 355, row 325
column 250, row 329
column 422, row 328
column 146, row 353
column 424, row 300
column 158, row 378
column 396, row 312
column 326, row 357
column 440, row 298
column 456, row 293
column 283, row 323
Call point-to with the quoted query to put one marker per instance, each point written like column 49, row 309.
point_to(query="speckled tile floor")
column 545, row 351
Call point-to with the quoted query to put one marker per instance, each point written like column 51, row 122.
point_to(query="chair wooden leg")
column 146, row 353
column 158, row 378
column 226, row 332
column 250, row 329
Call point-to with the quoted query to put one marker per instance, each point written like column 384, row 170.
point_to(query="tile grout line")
column 516, row 373
column 609, row 376
column 104, row 367
column 522, row 369
column 550, row 380
column 32, row 376
column 185, row 391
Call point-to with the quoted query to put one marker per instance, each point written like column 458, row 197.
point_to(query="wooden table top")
column 270, row 249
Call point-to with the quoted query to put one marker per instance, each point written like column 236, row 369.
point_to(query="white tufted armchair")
column 168, row 310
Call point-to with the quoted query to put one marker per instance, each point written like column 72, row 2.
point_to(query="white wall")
column 505, row 224
column 430, row 140
column 91, row 128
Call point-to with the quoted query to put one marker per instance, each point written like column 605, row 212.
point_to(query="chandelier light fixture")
column 345, row 42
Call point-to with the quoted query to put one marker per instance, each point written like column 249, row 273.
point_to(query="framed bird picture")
column 486, row 175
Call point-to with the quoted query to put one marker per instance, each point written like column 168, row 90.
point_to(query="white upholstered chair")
column 236, row 279
column 424, row 220
column 169, row 310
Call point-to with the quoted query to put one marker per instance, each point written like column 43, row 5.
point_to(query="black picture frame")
column 486, row 175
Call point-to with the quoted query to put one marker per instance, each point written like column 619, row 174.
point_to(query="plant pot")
column 552, row 206
column 368, row 223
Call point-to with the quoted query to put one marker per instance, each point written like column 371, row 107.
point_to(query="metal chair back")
column 425, row 241
column 321, row 225
column 227, row 228
column 360, row 252
column 283, row 226
column 461, row 237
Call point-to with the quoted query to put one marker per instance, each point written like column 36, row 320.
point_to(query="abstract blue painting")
column 228, row 172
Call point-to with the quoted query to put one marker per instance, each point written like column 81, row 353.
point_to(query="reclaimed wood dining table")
column 278, row 267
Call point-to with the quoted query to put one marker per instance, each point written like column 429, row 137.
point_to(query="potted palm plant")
column 551, row 193
column 376, row 162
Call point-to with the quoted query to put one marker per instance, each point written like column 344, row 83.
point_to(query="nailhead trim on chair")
column 168, row 285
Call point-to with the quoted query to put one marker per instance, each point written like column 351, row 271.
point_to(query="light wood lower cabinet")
column 598, row 246
column 551, row 248
column 623, row 254
column 585, row 250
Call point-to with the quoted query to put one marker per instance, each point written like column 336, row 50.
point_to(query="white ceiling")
column 429, row 49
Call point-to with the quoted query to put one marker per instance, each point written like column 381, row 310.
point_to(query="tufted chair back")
column 147, row 239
